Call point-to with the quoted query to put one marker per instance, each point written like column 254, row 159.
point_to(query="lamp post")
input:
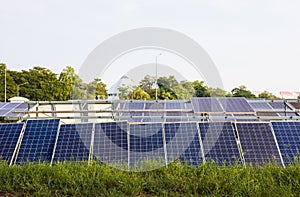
column 18, row 87
column 5, row 84
column 156, row 86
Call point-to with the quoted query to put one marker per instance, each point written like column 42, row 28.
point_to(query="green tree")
column 242, row 91
column 139, row 94
column 201, row 90
column 218, row 92
column 165, row 92
column 266, row 94
column 42, row 84
column 125, row 92
column 11, row 86
column 66, row 83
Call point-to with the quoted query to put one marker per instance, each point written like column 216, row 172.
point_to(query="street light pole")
column 5, row 84
column 18, row 87
column 156, row 86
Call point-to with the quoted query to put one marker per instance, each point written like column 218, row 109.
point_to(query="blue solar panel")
column 288, row 138
column 134, row 106
column 110, row 142
column 175, row 106
column 38, row 140
column 260, row 105
column 206, row 105
column 258, row 143
column 74, row 142
column 219, row 143
column 9, row 136
column 235, row 105
column 182, row 141
column 153, row 116
column 146, row 144
column 11, row 109
column 84, row 106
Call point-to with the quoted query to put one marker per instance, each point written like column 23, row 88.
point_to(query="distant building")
column 113, row 91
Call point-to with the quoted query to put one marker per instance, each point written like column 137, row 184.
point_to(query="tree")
column 242, row 91
column 11, row 86
column 98, row 89
column 139, row 94
column 218, row 92
column 266, row 94
column 201, row 90
column 125, row 92
column 166, row 93
column 66, row 83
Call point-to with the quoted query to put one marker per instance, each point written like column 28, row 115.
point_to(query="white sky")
column 254, row 42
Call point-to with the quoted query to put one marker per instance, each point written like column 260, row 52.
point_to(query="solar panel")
column 235, row 105
column 146, row 144
column 84, row 106
column 38, row 140
column 110, row 143
column 182, row 142
column 153, row 116
column 258, row 143
column 206, row 105
column 175, row 106
column 9, row 136
column 219, row 143
column 10, row 109
column 74, row 142
column 284, row 107
column 288, row 138
column 132, row 105
column 260, row 105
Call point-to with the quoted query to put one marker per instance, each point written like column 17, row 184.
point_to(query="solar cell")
column 288, row 138
column 206, row 105
column 235, row 105
column 9, row 136
column 183, row 142
column 110, row 142
column 74, row 142
column 146, row 144
column 219, row 143
column 258, row 143
column 38, row 140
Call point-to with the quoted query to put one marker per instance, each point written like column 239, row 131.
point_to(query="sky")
column 255, row 43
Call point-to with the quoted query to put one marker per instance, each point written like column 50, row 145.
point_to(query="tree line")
column 41, row 84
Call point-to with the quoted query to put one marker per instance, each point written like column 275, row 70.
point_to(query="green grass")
column 79, row 179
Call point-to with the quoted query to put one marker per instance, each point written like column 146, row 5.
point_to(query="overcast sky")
column 255, row 42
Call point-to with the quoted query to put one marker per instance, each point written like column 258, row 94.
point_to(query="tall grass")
column 80, row 179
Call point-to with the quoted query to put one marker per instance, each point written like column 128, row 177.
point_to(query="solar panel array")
column 288, row 138
column 9, row 136
column 13, row 109
column 258, row 143
column 131, row 144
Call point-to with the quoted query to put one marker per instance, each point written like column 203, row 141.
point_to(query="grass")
column 80, row 179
